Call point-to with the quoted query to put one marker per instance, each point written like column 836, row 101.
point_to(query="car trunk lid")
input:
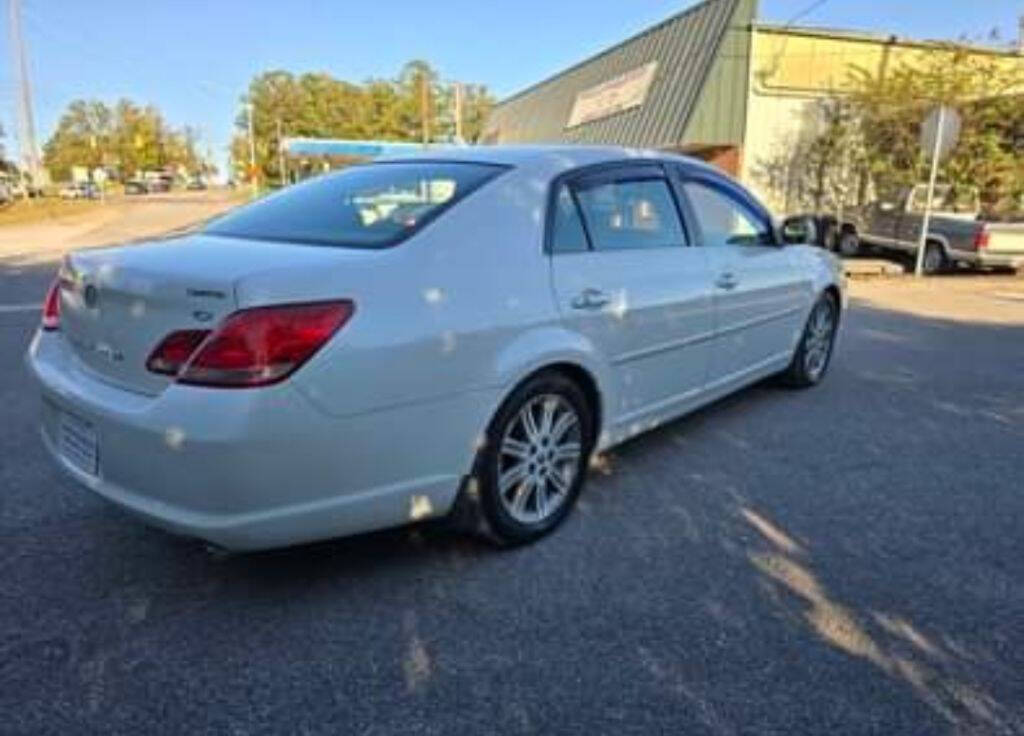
column 117, row 304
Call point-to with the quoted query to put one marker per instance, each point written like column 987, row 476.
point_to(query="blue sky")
column 194, row 58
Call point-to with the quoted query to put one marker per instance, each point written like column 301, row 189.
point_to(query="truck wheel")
column 849, row 244
column 934, row 259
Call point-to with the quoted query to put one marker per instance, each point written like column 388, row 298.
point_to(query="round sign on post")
column 947, row 136
column 940, row 132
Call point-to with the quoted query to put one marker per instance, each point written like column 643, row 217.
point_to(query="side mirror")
column 799, row 230
column 887, row 206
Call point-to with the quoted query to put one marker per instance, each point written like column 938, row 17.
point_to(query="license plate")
column 78, row 443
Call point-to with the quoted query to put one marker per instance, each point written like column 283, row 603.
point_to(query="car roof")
column 557, row 156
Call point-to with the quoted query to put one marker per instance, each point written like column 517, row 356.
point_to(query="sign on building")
column 620, row 93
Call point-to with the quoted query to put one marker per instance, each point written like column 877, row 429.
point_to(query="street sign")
column 939, row 133
column 942, row 126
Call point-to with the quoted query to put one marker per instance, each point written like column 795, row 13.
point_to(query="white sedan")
column 450, row 334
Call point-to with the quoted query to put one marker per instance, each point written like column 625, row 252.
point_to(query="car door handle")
column 727, row 281
column 590, row 299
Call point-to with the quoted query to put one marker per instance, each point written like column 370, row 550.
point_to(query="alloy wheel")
column 818, row 339
column 539, row 458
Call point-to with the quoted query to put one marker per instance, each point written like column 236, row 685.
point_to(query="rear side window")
column 567, row 233
column 630, row 214
column 371, row 206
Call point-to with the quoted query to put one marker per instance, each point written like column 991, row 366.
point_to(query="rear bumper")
column 989, row 259
column 254, row 469
column 1008, row 260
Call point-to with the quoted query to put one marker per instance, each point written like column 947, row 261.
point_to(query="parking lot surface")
column 839, row 560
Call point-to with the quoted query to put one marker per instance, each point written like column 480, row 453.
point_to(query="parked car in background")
column 136, row 186
column 80, row 190
column 196, row 184
column 958, row 232
column 158, row 184
column 421, row 336
column 25, row 190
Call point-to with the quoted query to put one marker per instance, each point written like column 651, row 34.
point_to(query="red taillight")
column 173, row 352
column 254, row 347
column 981, row 239
column 51, row 307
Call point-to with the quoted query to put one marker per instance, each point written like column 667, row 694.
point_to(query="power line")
column 805, row 12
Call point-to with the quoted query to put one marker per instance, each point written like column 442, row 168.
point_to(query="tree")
column 318, row 105
column 477, row 104
column 83, row 133
column 418, row 99
column 126, row 139
column 985, row 89
column 869, row 136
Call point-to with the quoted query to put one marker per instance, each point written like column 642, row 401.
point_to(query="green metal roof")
column 697, row 94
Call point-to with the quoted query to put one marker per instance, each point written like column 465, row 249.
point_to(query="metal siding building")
column 694, row 101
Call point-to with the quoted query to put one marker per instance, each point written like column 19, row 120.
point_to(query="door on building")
column 626, row 276
column 759, row 297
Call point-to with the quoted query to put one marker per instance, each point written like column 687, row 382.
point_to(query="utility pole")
column 253, row 184
column 280, row 156
column 457, row 98
column 27, row 148
column 936, row 150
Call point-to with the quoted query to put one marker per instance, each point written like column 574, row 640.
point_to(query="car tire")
column 814, row 351
column 934, row 261
column 524, row 485
column 849, row 244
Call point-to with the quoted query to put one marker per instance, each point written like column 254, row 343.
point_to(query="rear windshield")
column 370, row 206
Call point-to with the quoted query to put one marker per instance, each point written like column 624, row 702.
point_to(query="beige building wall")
column 792, row 72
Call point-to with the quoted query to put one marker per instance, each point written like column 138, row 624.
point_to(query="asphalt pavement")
column 842, row 560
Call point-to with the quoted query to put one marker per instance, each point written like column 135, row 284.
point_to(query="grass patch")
column 25, row 211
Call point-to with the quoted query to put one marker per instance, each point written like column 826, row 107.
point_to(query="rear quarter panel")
column 447, row 312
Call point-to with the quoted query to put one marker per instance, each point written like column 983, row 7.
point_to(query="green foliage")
column 316, row 105
column 126, row 139
column 987, row 91
column 866, row 143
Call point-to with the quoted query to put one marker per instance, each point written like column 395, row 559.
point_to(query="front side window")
column 371, row 206
column 622, row 215
column 724, row 220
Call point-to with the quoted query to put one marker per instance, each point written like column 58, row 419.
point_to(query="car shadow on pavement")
column 747, row 467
